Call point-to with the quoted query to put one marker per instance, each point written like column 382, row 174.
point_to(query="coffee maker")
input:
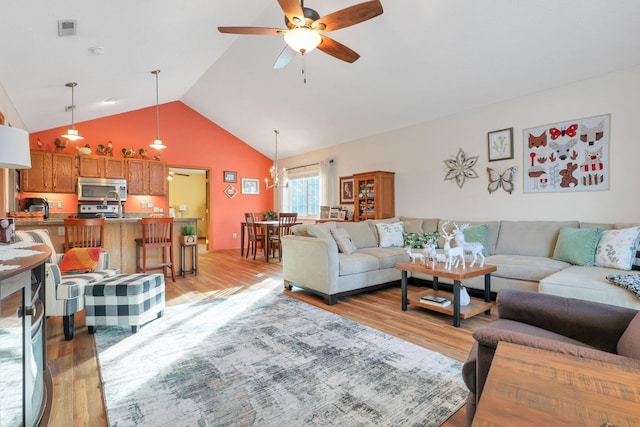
column 37, row 204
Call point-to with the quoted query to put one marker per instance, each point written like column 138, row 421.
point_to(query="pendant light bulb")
column 157, row 143
column 72, row 133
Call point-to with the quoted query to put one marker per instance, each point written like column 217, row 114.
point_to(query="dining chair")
column 83, row 233
column 255, row 236
column 285, row 222
column 156, row 233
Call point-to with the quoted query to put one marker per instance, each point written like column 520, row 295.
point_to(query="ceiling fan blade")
column 348, row 16
column 285, row 57
column 337, row 50
column 293, row 10
column 260, row 31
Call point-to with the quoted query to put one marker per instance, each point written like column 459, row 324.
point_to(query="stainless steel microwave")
column 95, row 189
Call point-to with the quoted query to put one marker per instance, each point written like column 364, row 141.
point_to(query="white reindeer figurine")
column 453, row 254
column 430, row 254
column 415, row 256
column 473, row 248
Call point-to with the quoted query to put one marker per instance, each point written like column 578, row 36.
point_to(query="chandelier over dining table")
column 278, row 176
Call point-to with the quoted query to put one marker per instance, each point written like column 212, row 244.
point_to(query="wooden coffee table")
column 476, row 306
column 527, row 386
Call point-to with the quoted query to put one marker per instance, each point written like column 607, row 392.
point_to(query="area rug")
column 265, row 359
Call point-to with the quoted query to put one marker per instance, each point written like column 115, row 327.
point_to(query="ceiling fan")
column 305, row 29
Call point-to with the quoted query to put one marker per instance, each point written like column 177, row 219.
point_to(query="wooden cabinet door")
column 136, row 176
column 114, row 168
column 158, row 184
column 65, row 173
column 90, row 166
column 38, row 178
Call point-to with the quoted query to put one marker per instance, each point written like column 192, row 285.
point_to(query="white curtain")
column 327, row 183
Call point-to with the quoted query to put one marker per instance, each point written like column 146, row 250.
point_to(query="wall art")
column 502, row 179
column 460, row 168
column 250, row 186
column 230, row 176
column 500, row 144
column 346, row 190
column 230, row 191
column 567, row 156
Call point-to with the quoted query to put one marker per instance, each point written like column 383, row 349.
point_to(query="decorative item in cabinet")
column 375, row 197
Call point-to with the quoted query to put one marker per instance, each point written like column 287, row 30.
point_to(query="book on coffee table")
column 434, row 300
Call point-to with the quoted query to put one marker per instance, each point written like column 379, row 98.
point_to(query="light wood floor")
column 78, row 399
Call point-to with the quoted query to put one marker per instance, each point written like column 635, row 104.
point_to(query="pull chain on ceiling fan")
column 306, row 29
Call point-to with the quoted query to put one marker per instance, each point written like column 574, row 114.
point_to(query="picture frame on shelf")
column 250, row 186
column 324, row 212
column 335, row 213
column 500, row 144
column 343, row 215
column 347, row 191
column 230, row 176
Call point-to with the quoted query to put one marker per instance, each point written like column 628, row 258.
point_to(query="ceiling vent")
column 67, row 27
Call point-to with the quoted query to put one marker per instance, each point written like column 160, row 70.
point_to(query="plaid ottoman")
column 124, row 299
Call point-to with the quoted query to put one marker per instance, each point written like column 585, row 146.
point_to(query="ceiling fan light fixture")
column 72, row 134
column 302, row 39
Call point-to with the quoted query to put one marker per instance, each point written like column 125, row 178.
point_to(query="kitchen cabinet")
column 147, row 177
column 101, row 167
column 50, row 173
column 374, row 198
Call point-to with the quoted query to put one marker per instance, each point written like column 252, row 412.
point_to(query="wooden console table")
column 457, row 274
column 527, row 386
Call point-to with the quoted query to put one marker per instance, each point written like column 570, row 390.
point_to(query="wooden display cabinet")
column 374, row 195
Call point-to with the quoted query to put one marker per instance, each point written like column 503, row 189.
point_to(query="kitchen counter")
column 119, row 238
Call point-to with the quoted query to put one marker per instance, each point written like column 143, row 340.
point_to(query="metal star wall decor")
column 460, row 168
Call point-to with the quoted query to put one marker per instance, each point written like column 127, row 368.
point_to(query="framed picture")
column 342, row 215
column 230, row 176
column 250, row 186
column 334, row 214
column 500, row 144
column 324, row 212
column 230, row 191
column 346, row 190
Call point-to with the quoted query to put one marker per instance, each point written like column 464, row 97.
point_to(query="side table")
column 194, row 259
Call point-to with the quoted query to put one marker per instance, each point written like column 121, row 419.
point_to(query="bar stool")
column 83, row 233
column 156, row 233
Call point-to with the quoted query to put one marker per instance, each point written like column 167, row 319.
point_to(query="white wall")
column 416, row 154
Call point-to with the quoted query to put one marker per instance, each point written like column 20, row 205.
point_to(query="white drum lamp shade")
column 14, row 148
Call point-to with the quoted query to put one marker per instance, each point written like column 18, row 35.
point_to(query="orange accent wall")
column 192, row 140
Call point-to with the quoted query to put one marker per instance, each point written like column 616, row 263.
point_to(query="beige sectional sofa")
column 521, row 250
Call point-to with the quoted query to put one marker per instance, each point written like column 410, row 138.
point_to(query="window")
column 303, row 194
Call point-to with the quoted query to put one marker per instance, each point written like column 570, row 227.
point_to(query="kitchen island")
column 119, row 238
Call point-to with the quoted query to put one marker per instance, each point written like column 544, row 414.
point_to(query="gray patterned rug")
column 265, row 359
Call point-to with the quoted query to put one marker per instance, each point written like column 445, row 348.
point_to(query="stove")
column 97, row 211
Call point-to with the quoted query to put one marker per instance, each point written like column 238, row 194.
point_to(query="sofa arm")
column 311, row 262
column 592, row 323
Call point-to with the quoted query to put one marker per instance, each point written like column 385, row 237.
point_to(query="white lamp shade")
column 182, row 208
column 14, row 148
column 302, row 40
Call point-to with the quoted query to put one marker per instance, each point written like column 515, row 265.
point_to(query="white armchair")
column 64, row 293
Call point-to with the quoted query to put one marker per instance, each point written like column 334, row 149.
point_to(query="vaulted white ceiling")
column 420, row 59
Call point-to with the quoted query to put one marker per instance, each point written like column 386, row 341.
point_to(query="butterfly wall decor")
column 504, row 179
column 570, row 131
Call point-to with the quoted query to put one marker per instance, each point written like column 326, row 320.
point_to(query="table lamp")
column 14, row 148
column 182, row 209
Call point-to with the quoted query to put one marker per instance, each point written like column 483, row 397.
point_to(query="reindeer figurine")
column 473, row 248
column 430, row 254
column 453, row 254
column 415, row 256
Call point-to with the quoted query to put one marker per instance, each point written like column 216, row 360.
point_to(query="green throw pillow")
column 420, row 240
column 478, row 233
column 577, row 245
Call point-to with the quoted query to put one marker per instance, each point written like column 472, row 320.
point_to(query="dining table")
column 267, row 226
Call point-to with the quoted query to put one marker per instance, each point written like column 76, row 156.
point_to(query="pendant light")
column 72, row 133
column 157, row 143
column 279, row 176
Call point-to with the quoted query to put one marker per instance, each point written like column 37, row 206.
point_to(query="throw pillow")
column 412, row 226
column 420, row 240
column 478, row 233
column 343, row 240
column 627, row 281
column 390, row 234
column 80, row 260
column 577, row 245
column 617, row 248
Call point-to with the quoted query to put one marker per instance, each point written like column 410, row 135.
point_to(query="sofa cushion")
column 356, row 263
column 535, row 238
column 343, row 240
column 629, row 343
column 387, row 257
column 617, row 248
column 361, row 234
column 322, row 230
column 478, row 233
column 390, row 235
column 577, row 245
column 523, row 267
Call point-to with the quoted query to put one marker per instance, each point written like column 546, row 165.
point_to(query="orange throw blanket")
column 80, row 260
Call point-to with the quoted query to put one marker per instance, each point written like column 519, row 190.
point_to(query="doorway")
column 189, row 198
